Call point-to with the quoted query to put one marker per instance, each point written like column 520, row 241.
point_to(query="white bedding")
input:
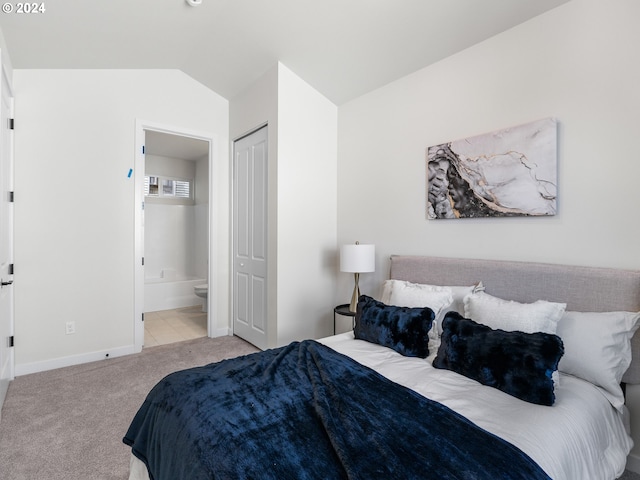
column 582, row 437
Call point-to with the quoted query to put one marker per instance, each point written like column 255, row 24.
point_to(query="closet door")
column 250, row 238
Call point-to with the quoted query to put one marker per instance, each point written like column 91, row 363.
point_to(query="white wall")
column 161, row 165
column 175, row 230
column 253, row 108
column 202, row 230
column 579, row 63
column 302, row 200
column 576, row 63
column 74, row 230
column 6, row 60
column 170, row 239
column 307, row 209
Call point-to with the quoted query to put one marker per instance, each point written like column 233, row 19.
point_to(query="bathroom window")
column 150, row 186
column 175, row 188
column 167, row 188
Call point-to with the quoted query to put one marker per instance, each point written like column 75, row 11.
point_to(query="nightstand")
column 345, row 312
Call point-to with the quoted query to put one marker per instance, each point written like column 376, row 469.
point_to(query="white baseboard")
column 4, row 386
column 221, row 332
column 34, row 367
column 633, row 463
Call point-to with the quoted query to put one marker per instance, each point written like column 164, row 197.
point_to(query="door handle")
column 3, row 283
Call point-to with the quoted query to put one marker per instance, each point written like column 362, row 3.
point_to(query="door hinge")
column 10, row 341
column 12, row 124
column 143, row 149
column 143, row 317
column 10, row 269
column 143, row 261
column 11, row 197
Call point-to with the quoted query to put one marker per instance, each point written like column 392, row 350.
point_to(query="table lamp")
column 357, row 259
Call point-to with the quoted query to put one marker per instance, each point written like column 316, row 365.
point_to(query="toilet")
column 201, row 291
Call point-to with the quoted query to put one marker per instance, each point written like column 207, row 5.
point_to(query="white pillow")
column 597, row 348
column 457, row 305
column 406, row 294
column 539, row 316
column 418, row 293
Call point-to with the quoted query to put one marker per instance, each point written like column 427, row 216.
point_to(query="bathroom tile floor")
column 169, row 326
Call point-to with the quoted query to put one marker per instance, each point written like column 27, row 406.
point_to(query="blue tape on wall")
column 130, row 172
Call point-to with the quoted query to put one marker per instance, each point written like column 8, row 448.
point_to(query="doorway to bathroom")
column 173, row 191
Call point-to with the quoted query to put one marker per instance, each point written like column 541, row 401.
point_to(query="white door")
column 250, row 238
column 6, row 241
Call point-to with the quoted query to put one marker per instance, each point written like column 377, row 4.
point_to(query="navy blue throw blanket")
column 305, row 411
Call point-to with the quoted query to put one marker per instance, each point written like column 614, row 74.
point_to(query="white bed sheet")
column 581, row 437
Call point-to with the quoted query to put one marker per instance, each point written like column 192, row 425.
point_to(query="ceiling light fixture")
column 194, row 3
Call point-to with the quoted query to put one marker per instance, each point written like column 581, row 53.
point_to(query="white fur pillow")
column 539, row 316
column 597, row 348
column 406, row 294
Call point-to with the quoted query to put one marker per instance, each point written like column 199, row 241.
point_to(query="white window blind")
column 171, row 187
column 182, row 189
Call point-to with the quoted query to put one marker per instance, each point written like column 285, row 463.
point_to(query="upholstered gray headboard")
column 583, row 289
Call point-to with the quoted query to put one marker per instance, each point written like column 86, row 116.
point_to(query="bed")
column 379, row 404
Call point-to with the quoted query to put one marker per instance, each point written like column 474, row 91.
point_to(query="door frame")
column 10, row 349
column 138, row 171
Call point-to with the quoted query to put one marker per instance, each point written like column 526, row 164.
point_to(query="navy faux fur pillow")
column 520, row 364
column 404, row 329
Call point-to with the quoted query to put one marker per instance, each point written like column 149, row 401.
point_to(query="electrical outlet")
column 70, row 327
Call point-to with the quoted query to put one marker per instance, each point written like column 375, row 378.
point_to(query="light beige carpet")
column 68, row 424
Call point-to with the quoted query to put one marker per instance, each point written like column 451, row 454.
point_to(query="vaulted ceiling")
column 343, row 48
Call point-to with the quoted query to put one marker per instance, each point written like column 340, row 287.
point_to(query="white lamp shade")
column 356, row 258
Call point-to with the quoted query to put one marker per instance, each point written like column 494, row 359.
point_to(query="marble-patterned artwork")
column 510, row 172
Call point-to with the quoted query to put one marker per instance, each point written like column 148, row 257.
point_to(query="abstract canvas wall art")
column 510, row 172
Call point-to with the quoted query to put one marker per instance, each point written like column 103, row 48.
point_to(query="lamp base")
column 353, row 306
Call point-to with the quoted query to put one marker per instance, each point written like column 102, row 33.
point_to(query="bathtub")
column 168, row 293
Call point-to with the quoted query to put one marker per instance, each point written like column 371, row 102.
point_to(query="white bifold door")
column 250, row 238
